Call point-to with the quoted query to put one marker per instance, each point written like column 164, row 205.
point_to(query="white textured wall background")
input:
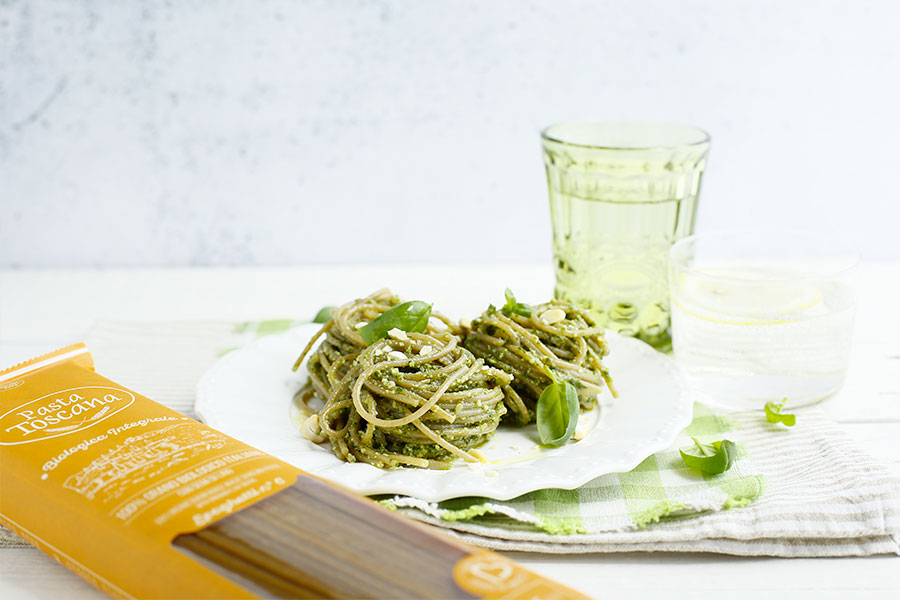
column 279, row 132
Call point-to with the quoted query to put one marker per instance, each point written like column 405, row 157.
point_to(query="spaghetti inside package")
column 145, row 502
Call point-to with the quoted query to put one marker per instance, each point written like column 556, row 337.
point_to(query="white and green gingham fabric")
column 800, row 491
column 660, row 488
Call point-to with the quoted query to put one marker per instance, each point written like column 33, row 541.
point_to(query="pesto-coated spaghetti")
column 415, row 399
column 554, row 338
column 343, row 343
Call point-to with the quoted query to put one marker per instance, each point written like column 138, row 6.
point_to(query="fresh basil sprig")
column 324, row 315
column 516, row 308
column 411, row 317
column 557, row 413
column 774, row 414
column 711, row 459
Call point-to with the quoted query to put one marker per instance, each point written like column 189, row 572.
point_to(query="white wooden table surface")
column 44, row 309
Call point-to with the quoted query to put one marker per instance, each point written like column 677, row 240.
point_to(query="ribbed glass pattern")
column 615, row 212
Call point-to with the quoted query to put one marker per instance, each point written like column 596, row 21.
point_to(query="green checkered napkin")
column 660, row 488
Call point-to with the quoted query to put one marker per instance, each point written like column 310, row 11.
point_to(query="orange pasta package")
column 144, row 502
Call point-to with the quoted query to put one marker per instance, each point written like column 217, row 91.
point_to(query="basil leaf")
column 774, row 414
column 324, row 315
column 510, row 297
column 711, row 459
column 411, row 317
column 516, row 308
column 557, row 413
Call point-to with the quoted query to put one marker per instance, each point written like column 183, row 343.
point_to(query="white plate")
column 248, row 394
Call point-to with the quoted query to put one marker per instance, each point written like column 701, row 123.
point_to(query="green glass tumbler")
column 621, row 193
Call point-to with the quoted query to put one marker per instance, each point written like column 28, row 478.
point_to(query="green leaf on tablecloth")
column 774, row 414
column 712, row 459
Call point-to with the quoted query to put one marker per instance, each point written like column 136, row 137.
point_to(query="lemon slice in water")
column 746, row 300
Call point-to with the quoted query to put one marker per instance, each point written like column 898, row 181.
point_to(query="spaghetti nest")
column 414, row 399
column 556, row 341
column 410, row 399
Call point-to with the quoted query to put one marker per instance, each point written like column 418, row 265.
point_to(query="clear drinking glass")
column 763, row 315
column 620, row 194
